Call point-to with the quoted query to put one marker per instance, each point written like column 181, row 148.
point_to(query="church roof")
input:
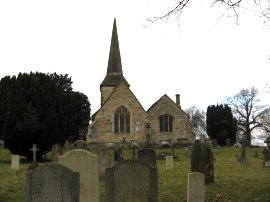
column 114, row 74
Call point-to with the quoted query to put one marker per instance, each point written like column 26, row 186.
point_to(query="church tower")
column 114, row 74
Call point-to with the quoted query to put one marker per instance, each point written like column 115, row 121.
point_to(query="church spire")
column 114, row 63
column 114, row 74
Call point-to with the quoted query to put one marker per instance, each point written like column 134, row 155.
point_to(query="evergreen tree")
column 220, row 123
column 40, row 109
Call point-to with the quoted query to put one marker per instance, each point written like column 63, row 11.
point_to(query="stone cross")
column 267, row 141
column 34, row 149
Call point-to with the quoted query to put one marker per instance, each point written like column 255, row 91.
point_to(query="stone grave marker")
column 214, row 142
column 267, row 164
column 118, row 154
column 228, row 142
column 202, row 160
column 2, row 144
column 131, row 180
column 148, row 156
column 52, row 182
column 242, row 159
column 86, row 163
column 57, row 150
column 169, row 163
column 195, row 190
column 104, row 161
column 79, row 144
column 34, row 149
column 15, row 162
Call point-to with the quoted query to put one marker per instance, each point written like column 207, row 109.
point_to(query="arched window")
column 165, row 123
column 121, row 120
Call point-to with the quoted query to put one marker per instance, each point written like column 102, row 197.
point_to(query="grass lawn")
column 233, row 182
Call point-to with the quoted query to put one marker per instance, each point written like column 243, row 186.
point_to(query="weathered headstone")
column 57, row 150
column 195, row 191
column 104, row 161
column 148, row 156
column 267, row 164
column 79, row 144
column 52, row 182
column 228, row 142
column 169, row 163
column 2, row 144
column 214, row 142
column 34, row 149
column 202, row 160
column 15, row 162
column 131, row 180
column 266, row 158
column 86, row 163
column 118, row 154
column 242, row 159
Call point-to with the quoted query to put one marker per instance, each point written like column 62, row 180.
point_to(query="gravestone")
column 148, row 156
column 133, row 152
column 79, row 144
column 118, row 154
column 169, row 163
column 86, row 163
column 104, row 161
column 34, row 149
column 214, row 142
column 15, row 162
column 2, row 144
column 195, row 191
column 52, row 182
column 202, row 160
column 266, row 158
column 228, row 142
column 242, row 159
column 131, row 180
column 57, row 150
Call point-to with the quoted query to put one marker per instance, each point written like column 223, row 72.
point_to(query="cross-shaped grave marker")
column 34, row 149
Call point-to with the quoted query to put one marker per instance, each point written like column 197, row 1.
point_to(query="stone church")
column 121, row 116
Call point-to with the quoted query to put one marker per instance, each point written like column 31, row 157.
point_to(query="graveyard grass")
column 233, row 182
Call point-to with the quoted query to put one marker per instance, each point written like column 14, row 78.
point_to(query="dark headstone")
column 214, row 142
column 242, row 159
column 2, row 143
column 202, row 160
column 52, row 182
column 228, row 142
column 148, row 156
column 118, row 154
column 131, row 180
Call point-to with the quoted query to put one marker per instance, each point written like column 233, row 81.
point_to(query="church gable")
column 169, row 121
column 121, row 116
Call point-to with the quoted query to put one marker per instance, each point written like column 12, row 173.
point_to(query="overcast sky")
column 200, row 57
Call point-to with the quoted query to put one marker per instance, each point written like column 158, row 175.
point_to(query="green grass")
column 233, row 182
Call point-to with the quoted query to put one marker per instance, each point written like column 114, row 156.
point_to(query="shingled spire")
column 114, row 70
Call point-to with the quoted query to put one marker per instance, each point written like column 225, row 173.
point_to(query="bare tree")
column 197, row 119
column 260, row 8
column 247, row 110
column 266, row 124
